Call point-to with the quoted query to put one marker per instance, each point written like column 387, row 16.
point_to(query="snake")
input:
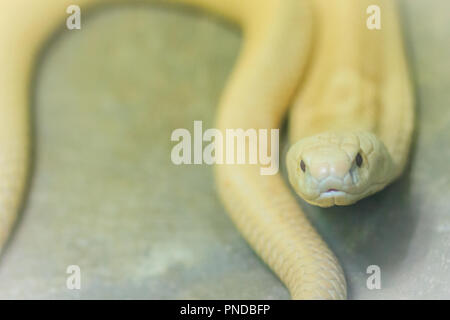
column 344, row 87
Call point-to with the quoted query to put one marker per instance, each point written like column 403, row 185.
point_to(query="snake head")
column 335, row 168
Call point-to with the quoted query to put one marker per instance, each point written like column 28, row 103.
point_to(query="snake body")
column 350, row 124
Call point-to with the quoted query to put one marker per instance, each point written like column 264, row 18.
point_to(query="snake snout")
column 324, row 170
column 335, row 182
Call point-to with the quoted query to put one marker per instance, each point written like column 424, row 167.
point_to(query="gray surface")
column 105, row 196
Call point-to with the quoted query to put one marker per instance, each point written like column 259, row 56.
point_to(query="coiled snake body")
column 351, row 119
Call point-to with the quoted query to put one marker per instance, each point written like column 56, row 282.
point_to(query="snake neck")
column 357, row 79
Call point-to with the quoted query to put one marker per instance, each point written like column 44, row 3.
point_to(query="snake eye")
column 359, row 160
column 302, row 165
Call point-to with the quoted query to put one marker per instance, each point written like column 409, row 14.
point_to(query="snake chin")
column 333, row 197
column 332, row 193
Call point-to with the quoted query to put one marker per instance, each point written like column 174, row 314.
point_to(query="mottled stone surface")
column 104, row 194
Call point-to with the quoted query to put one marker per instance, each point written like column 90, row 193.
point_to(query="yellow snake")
column 350, row 125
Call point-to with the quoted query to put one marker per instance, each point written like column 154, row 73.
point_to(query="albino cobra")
column 350, row 126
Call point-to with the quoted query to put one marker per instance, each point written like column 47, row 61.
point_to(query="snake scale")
column 350, row 124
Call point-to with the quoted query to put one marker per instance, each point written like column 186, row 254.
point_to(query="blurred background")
column 105, row 196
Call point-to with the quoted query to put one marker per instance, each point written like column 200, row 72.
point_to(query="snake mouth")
column 331, row 187
column 330, row 197
column 332, row 193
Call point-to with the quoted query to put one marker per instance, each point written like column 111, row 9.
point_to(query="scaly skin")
column 277, row 39
column 357, row 99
